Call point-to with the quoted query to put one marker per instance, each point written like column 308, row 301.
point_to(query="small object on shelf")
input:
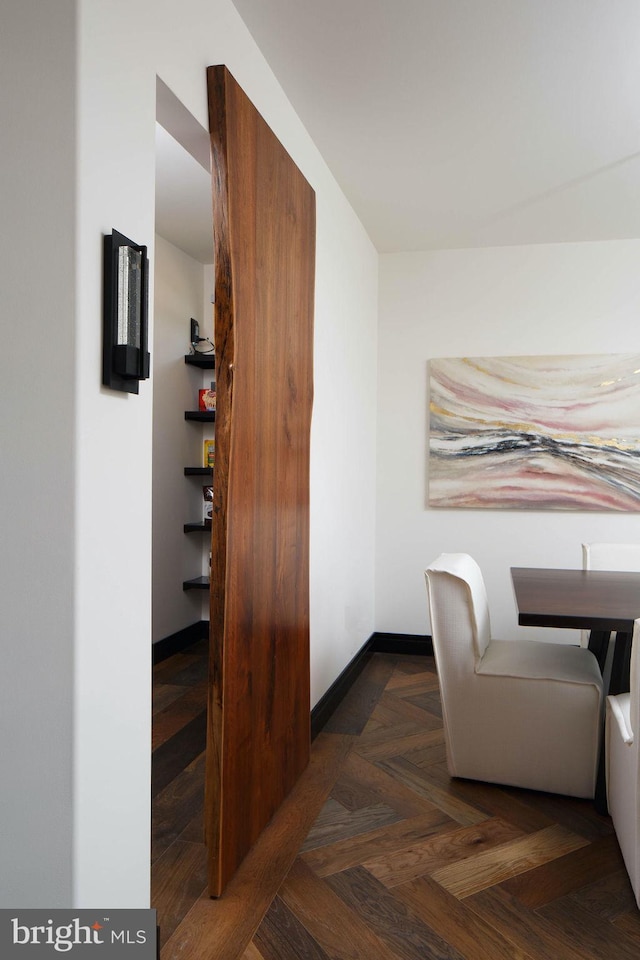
column 207, row 496
column 209, row 453
column 199, row 345
column 207, row 399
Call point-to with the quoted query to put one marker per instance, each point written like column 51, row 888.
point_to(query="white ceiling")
column 453, row 123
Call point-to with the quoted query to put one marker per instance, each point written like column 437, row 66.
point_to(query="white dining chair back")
column 523, row 713
column 608, row 556
column 611, row 556
column 462, row 628
column 622, row 752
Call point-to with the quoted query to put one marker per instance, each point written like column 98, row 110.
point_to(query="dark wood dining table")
column 600, row 601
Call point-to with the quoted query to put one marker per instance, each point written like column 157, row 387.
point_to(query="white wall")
column 343, row 444
column 179, row 284
column 556, row 299
column 37, row 486
column 79, row 90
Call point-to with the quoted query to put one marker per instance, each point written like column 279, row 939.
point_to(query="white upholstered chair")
column 622, row 754
column 611, row 556
column 523, row 713
column 607, row 556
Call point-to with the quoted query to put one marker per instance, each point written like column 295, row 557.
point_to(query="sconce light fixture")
column 125, row 360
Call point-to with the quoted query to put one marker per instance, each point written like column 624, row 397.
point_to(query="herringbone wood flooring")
column 378, row 854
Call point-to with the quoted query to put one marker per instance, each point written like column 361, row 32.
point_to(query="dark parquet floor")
column 378, row 854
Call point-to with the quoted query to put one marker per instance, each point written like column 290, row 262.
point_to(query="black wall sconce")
column 125, row 360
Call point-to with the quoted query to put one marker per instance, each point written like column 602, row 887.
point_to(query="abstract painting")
column 535, row 432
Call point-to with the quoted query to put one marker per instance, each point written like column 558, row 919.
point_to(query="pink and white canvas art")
column 535, row 432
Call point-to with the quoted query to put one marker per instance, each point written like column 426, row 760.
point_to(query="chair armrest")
column 619, row 710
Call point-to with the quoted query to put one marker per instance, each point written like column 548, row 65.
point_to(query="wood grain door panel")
column 264, row 229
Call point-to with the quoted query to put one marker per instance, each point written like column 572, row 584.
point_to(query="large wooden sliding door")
column 264, row 228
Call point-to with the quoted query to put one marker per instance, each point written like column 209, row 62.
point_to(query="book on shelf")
column 207, row 496
column 209, row 453
column 207, row 399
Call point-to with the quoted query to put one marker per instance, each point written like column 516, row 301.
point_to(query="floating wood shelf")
column 206, row 361
column 201, row 526
column 202, row 361
column 202, row 416
column 198, row 583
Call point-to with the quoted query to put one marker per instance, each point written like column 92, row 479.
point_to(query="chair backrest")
column 459, row 611
column 611, row 556
column 634, row 681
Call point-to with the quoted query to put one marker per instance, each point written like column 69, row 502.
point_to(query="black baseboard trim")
column 176, row 642
column 418, row 644
column 402, row 643
column 339, row 689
